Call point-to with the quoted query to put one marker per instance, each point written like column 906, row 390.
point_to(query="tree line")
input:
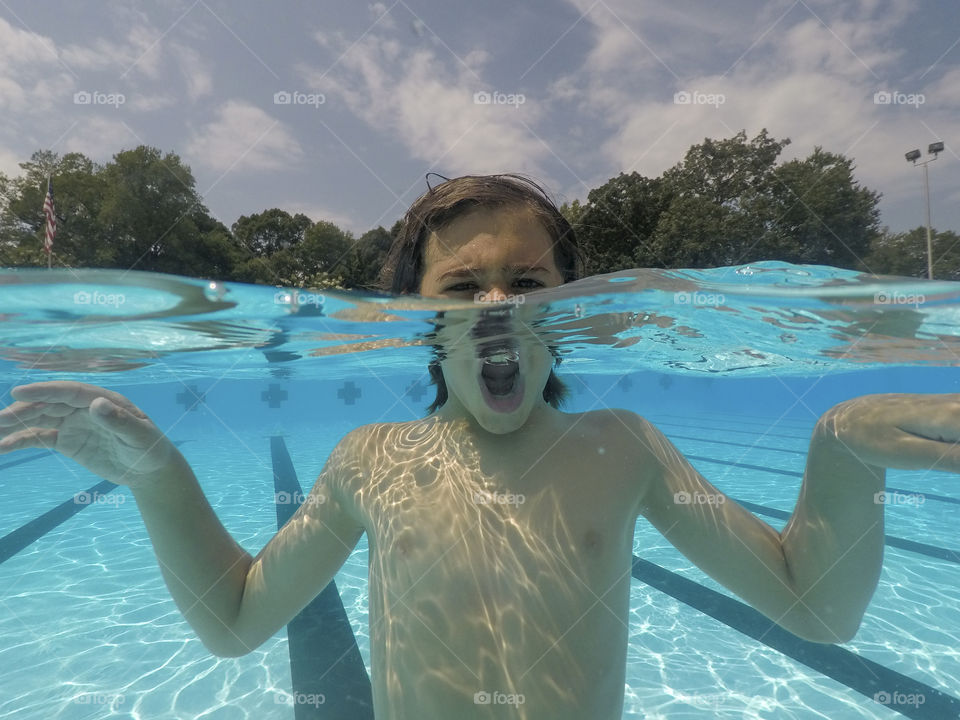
column 727, row 202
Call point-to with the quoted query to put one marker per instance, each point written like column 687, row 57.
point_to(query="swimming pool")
column 734, row 365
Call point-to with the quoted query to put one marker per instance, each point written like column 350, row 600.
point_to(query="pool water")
column 237, row 374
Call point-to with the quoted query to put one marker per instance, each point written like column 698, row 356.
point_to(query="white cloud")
column 9, row 163
column 425, row 103
column 195, row 71
column 318, row 213
column 243, row 137
column 99, row 137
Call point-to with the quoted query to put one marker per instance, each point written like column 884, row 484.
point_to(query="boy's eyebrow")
column 471, row 271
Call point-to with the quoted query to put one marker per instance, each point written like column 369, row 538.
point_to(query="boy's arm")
column 816, row 577
column 235, row 602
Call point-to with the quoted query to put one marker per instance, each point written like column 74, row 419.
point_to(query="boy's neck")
column 541, row 416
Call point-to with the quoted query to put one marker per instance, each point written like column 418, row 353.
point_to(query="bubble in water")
column 214, row 291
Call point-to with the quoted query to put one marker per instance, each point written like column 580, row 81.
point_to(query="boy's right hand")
column 100, row 429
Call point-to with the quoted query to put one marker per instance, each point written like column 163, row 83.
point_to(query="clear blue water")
column 88, row 630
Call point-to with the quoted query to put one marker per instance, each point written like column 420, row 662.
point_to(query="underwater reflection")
column 483, row 584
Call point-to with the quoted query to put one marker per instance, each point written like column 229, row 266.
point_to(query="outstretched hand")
column 901, row 431
column 100, row 429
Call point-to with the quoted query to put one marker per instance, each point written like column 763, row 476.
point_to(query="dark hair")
column 439, row 207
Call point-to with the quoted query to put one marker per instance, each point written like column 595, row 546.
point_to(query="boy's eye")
column 524, row 283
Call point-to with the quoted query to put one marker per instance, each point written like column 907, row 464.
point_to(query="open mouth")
column 500, row 377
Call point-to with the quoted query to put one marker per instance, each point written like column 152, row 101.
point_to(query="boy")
column 474, row 592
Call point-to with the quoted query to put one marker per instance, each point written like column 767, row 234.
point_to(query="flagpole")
column 50, row 221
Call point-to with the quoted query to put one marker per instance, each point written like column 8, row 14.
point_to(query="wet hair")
column 440, row 206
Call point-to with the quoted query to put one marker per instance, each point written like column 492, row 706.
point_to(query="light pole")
column 913, row 156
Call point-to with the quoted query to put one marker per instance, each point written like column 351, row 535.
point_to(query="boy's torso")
column 499, row 571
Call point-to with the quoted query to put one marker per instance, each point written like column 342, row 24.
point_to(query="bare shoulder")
column 624, row 427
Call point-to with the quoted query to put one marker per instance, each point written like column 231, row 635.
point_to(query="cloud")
column 99, row 137
column 195, row 71
column 318, row 213
column 425, row 102
column 243, row 137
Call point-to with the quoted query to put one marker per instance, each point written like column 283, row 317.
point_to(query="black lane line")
column 735, row 444
column 901, row 491
column 897, row 542
column 857, row 673
column 794, row 473
column 785, row 423
column 14, row 542
column 752, row 433
column 891, row 540
column 325, row 660
column 29, row 458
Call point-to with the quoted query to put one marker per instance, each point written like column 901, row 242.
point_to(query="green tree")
column 366, row 257
column 905, row 254
column 717, row 196
column 818, row 213
column 77, row 199
column 269, row 231
column 321, row 260
column 615, row 224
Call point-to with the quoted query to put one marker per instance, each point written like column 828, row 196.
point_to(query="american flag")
column 51, row 218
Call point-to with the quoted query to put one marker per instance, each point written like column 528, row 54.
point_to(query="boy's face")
column 496, row 368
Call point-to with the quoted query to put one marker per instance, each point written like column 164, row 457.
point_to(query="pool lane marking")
column 856, row 672
column 324, row 656
column 29, row 458
column 23, row 536
column 752, row 433
column 28, row 533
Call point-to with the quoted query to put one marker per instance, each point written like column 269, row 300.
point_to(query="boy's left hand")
column 895, row 430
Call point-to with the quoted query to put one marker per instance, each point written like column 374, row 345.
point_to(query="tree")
column 269, row 231
column 905, row 254
column 615, row 224
column 717, row 196
column 728, row 202
column 819, row 213
column 366, row 258
column 78, row 192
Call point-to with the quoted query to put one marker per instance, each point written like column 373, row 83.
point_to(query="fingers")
column 914, row 452
column 23, row 413
column 29, row 438
column 73, row 394
column 133, row 430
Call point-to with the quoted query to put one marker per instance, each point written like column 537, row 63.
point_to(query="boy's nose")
column 495, row 294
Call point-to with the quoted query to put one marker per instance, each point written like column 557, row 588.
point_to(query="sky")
column 338, row 109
